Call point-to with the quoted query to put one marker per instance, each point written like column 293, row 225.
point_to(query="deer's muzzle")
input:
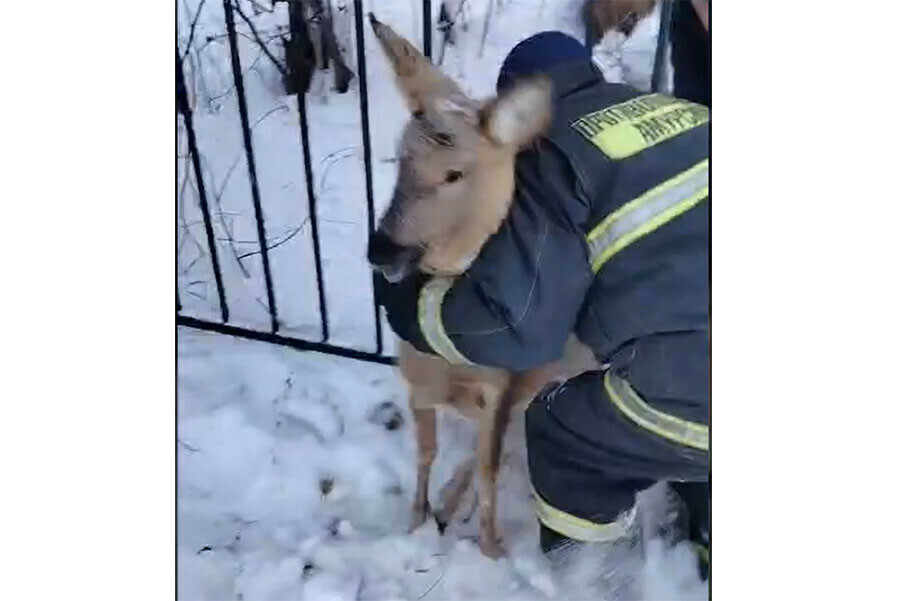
column 395, row 262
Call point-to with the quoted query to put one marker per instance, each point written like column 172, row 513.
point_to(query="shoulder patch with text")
column 625, row 129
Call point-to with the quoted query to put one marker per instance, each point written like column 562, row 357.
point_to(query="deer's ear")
column 418, row 79
column 520, row 114
column 459, row 105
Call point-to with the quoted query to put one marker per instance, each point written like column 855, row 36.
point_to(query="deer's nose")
column 382, row 249
column 391, row 259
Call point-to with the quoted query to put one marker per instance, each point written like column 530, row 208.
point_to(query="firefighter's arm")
column 516, row 305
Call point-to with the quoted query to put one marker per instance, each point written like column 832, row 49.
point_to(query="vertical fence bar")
column 183, row 106
column 297, row 25
column 367, row 148
column 251, row 163
column 178, row 91
column 426, row 28
column 662, row 42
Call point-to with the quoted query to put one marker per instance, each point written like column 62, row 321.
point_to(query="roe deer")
column 455, row 187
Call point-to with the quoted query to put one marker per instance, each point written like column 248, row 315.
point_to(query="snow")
column 290, row 483
column 291, row 487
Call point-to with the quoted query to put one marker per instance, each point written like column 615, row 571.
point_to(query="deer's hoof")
column 441, row 520
column 491, row 547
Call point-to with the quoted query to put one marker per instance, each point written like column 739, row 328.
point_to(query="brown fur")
column 451, row 221
column 603, row 15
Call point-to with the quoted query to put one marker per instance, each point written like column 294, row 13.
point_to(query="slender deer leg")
column 453, row 491
column 490, row 446
column 523, row 386
column 426, row 435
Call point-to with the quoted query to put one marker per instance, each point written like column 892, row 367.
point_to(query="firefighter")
column 608, row 236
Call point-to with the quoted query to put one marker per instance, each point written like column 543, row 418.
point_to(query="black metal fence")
column 184, row 109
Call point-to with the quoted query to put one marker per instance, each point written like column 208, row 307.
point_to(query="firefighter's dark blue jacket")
column 608, row 236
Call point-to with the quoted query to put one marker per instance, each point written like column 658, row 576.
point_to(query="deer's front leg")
column 426, row 437
column 490, row 447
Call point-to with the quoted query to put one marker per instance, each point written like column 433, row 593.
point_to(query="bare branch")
column 331, row 160
column 279, row 243
column 188, row 447
column 210, row 99
column 281, row 107
column 281, row 68
column 221, row 214
column 434, row 584
column 487, row 24
column 194, row 20
column 188, row 235
column 259, row 8
column 218, row 192
column 190, row 265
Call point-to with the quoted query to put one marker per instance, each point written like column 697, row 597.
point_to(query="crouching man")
column 607, row 237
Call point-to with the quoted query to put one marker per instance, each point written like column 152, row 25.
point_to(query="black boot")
column 695, row 506
column 552, row 540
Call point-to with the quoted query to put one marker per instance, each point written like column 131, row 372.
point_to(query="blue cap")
column 538, row 53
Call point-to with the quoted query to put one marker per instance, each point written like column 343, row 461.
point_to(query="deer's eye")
column 452, row 176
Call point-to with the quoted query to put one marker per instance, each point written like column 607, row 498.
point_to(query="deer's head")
column 456, row 165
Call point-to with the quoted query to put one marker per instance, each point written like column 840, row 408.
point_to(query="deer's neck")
column 455, row 254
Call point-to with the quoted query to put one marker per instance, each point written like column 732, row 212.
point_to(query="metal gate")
column 224, row 324
column 233, row 11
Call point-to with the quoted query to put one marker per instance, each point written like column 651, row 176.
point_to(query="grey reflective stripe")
column 662, row 424
column 431, row 298
column 581, row 529
column 654, row 208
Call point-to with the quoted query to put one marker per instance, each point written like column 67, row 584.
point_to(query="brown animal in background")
column 455, row 187
column 601, row 16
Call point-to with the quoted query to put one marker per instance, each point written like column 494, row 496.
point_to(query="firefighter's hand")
column 401, row 301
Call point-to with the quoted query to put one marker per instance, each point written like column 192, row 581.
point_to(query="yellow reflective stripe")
column 702, row 552
column 642, row 215
column 578, row 528
column 431, row 298
column 662, row 424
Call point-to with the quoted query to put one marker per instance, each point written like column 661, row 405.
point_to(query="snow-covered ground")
column 294, row 469
column 295, row 479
